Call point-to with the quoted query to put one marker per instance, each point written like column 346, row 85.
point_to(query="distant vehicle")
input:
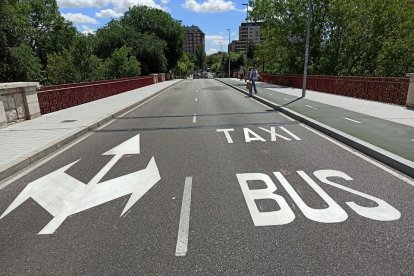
column 196, row 76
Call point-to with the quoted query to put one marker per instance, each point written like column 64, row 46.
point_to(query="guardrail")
column 58, row 97
column 388, row 90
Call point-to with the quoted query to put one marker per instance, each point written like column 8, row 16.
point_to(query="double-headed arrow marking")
column 62, row 195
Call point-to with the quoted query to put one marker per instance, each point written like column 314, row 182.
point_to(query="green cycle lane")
column 390, row 136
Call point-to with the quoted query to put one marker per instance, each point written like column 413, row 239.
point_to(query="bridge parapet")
column 18, row 102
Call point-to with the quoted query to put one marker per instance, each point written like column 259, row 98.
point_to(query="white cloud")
column 217, row 39
column 165, row 2
column 212, row 51
column 79, row 18
column 108, row 13
column 119, row 6
column 209, row 6
column 83, row 3
column 87, row 30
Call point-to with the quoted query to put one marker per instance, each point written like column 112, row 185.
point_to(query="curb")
column 43, row 152
column 390, row 159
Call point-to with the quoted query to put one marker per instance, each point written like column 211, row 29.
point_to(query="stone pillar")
column 20, row 100
column 3, row 118
column 410, row 96
column 154, row 78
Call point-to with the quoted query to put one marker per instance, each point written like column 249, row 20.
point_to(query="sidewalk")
column 26, row 142
column 382, row 131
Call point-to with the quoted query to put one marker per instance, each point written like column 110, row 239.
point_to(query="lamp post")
column 247, row 10
column 305, row 68
column 228, row 51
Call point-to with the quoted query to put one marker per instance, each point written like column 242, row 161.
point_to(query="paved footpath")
column 382, row 131
column 24, row 143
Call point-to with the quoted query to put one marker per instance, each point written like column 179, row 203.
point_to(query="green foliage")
column 154, row 21
column 61, row 68
column 75, row 64
column 25, row 65
column 38, row 44
column 200, row 56
column 184, row 66
column 348, row 37
column 237, row 61
column 122, row 64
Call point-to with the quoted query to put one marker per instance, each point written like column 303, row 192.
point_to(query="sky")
column 213, row 17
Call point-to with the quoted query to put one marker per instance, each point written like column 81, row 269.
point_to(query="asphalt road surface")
column 204, row 180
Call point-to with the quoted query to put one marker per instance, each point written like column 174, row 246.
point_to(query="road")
column 203, row 179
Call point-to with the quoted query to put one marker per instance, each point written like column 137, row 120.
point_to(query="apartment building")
column 193, row 37
column 249, row 32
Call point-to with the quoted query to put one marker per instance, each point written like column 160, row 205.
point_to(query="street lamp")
column 247, row 10
column 228, row 51
column 305, row 68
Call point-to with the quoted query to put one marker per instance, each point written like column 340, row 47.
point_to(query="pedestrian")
column 253, row 76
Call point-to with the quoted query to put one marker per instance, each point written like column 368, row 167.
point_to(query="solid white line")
column 196, row 99
column 311, row 106
column 352, row 120
column 195, row 118
column 373, row 162
column 182, row 239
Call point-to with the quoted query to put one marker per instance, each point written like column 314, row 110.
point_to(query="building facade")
column 249, row 32
column 193, row 37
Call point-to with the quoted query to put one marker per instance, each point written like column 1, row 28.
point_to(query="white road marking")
column 310, row 106
column 291, row 134
column 360, row 155
column 286, row 99
column 352, row 120
column 226, row 132
column 196, row 99
column 62, row 195
column 412, row 140
column 194, row 118
column 182, row 239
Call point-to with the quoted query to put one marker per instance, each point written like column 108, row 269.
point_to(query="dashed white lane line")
column 286, row 99
column 195, row 118
column 310, row 106
column 352, row 120
column 196, row 100
column 182, row 239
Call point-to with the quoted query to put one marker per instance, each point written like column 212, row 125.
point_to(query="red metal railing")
column 57, row 97
column 388, row 90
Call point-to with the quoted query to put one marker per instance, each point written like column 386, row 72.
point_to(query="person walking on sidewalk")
column 253, row 76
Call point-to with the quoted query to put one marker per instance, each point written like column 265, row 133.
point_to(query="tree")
column 348, row 37
column 75, row 64
column 148, row 20
column 200, row 56
column 184, row 66
column 122, row 64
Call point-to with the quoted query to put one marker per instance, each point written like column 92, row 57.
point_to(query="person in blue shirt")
column 253, row 77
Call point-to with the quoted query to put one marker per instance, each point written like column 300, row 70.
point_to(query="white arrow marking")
column 62, row 195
